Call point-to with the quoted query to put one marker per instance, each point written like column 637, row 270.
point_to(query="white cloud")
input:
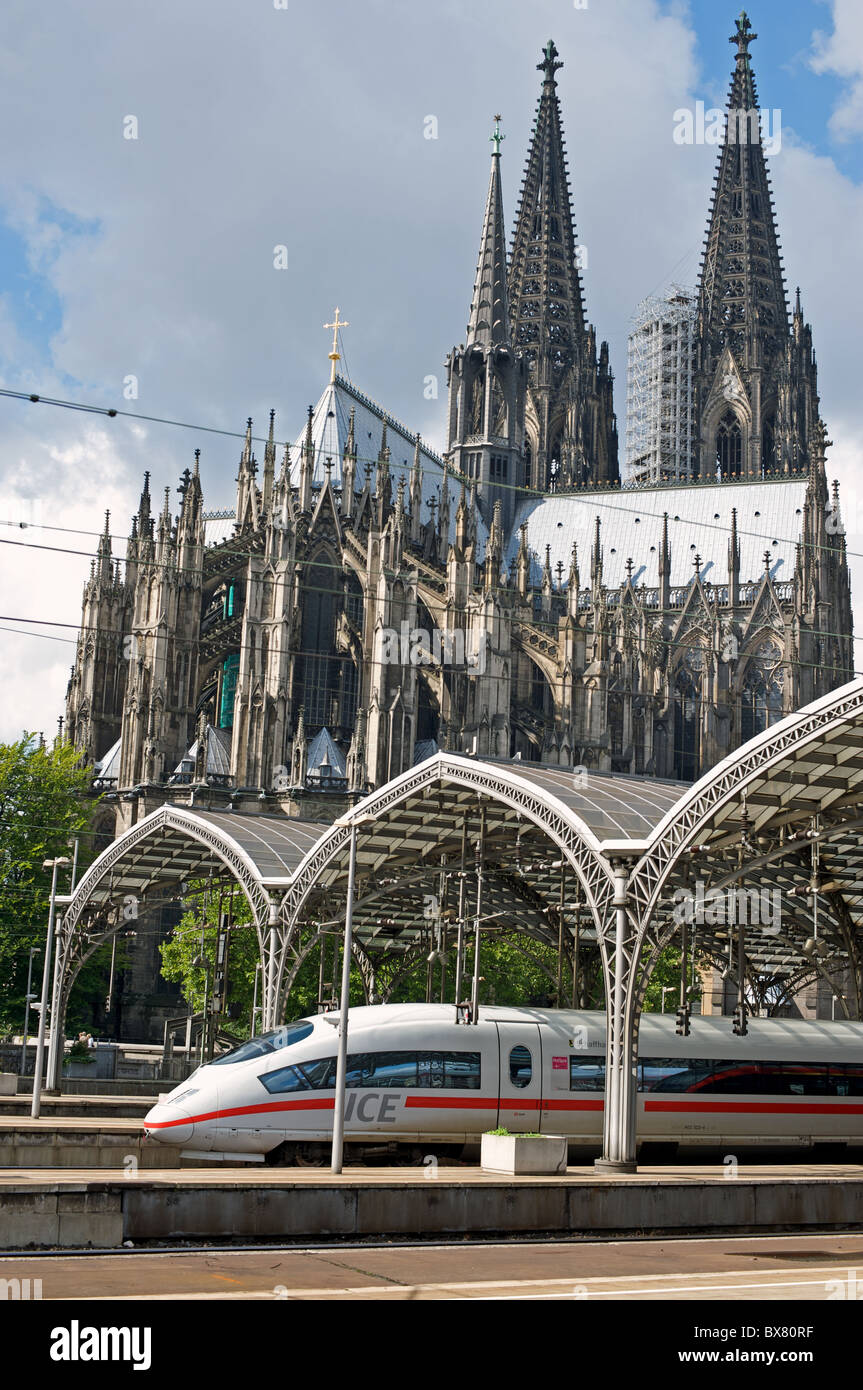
column 841, row 53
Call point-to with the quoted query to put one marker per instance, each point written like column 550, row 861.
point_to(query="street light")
column 342, row 1057
column 28, row 999
column 53, row 864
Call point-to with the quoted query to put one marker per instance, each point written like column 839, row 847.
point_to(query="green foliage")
column 79, row 1052
column 195, row 937
column 667, row 972
column 44, row 804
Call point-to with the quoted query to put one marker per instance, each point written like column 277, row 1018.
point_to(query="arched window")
column 729, row 447
column 326, row 678
column 761, row 697
column 538, row 689
column 687, row 716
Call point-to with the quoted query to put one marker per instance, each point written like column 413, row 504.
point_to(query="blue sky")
column 781, row 57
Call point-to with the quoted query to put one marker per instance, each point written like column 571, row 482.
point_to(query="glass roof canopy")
column 550, row 838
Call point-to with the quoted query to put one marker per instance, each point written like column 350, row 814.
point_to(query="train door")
column 520, row 1077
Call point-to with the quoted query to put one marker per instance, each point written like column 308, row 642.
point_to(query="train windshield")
column 286, row 1036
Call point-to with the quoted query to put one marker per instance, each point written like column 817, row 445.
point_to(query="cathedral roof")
column 218, row 755
column 324, row 753
column 769, row 517
column 330, row 423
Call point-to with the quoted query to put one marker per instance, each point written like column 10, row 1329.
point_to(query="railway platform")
column 89, row 1140
column 77, row 1208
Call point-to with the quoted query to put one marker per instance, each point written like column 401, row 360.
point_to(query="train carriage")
column 419, row 1082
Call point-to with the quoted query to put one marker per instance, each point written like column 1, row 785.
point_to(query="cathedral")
column 367, row 601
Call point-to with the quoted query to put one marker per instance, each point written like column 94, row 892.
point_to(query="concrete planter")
column 524, row 1153
column 8, row 1083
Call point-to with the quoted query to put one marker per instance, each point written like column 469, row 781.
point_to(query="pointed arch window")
column 687, row 715
column 729, row 447
column 761, row 699
column 326, row 678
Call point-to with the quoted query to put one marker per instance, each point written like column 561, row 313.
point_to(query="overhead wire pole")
column 344, row 1000
column 46, row 976
column 459, row 949
column 480, row 849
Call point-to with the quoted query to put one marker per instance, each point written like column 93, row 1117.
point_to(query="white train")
column 417, row 1082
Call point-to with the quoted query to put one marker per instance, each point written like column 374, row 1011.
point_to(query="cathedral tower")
column 755, row 388
column 486, row 378
column 571, row 430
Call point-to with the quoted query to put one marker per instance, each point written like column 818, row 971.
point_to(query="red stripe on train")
column 751, row 1107
column 243, row 1110
column 483, row 1103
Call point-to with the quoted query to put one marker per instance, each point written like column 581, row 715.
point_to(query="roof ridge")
column 392, row 420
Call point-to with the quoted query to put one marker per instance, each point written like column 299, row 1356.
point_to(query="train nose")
column 169, row 1123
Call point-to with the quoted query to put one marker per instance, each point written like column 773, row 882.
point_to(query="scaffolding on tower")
column 660, row 389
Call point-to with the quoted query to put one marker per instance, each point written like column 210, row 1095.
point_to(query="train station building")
column 756, row 866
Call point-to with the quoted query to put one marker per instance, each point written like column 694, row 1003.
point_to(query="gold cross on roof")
column 335, row 355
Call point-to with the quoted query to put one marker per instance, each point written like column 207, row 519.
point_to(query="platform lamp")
column 354, row 822
column 54, row 865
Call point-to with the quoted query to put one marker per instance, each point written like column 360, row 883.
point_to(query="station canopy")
column 779, row 818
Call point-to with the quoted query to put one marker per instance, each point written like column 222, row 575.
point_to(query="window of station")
column 453, row 1071
column 741, row 1077
column 520, row 1066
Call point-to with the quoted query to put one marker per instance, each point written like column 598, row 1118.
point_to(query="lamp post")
column 342, row 1056
column 28, row 997
column 53, row 864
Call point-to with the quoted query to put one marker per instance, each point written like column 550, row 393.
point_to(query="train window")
column 267, row 1042
column 520, row 1066
column 430, row 1069
column 462, row 1070
column 320, row 1075
column 392, row 1069
column 796, row 1079
column 741, row 1077
column 412, row 1070
column 737, row 1079
column 285, row 1079
column 304, row 1076
column 667, row 1073
column 586, row 1074
column 846, row 1081
column 359, row 1069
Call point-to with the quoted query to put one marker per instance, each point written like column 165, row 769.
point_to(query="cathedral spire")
column 269, row 465
column 416, row 493
column 105, row 568
column 349, row 469
column 489, row 310
column 742, row 301
column 547, row 323
column 574, row 437
column 522, row 562
column 307, row 463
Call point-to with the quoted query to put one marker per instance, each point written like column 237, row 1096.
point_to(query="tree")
column 45, row 803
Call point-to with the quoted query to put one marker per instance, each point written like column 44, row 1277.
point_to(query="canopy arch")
column 162, row 852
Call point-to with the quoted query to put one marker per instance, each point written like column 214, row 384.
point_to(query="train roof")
column 709, row 1035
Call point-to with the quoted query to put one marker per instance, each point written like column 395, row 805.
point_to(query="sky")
column 140, row 273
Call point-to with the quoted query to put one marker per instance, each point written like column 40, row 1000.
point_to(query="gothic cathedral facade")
column 367, row 600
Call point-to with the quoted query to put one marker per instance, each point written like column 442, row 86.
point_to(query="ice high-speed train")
column 417, row 1082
